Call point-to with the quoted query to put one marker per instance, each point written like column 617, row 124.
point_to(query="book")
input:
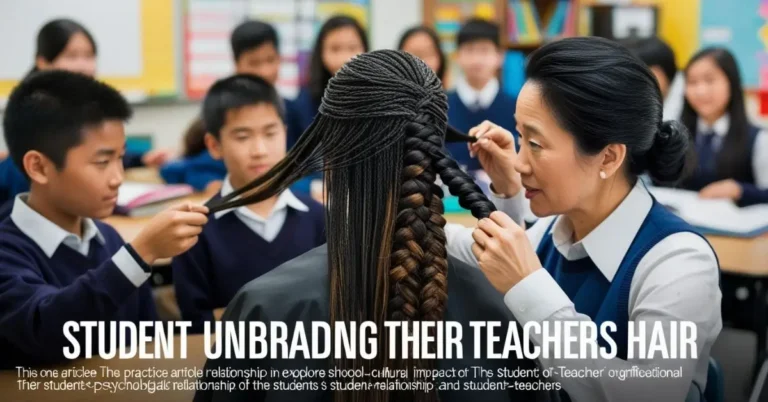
column 147, row 199
column 716, row 217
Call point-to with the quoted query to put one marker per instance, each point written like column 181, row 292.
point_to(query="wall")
column 167, row 123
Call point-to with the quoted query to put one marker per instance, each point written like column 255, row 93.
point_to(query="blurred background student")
column 478, row 96
column 660, row 58
column 64, row 44
column 339, row 39
column 731, row 152
column 255, row 49
column 423, row 42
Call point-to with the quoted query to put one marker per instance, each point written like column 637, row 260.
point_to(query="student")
column 196, row 167
column 255, row 49
column 660, row 58
column 245, row 128
column 340, row 38
column 58, row 262
column 478, row 96
column 423, row 42
column 65, row 45
column 732, row 153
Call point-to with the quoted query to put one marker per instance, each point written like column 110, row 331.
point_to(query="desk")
column 195, row 358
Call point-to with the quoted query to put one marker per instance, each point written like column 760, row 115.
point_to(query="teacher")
column 590, row 122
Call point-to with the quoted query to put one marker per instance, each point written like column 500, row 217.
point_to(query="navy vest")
column 706, row 168
column 589, row 290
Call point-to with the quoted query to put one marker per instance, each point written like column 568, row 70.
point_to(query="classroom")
column 493, row 165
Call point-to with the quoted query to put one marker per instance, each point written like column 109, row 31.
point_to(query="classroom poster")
column 209, row 23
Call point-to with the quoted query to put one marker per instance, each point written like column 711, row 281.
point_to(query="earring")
column 603, row 175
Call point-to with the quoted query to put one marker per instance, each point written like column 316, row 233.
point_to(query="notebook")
column 718, row 217
column 147, row 199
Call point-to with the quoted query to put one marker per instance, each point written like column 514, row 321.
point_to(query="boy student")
column 255, row 50
column 244, row 119
column 477, row 96
column 58, row 263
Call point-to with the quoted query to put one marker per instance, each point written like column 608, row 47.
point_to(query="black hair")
column 731, row 162
column 48, row 111
column 54, row 36
column 655, row 52
column 476, row 29
column 435, row 41
column 602, row 94
column 235, row 92
column 318, row 73
column 250, row 35
column 194, row 138
column 378, row 137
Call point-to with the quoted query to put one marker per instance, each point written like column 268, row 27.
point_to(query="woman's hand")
column 503, row 251
column 728, row 189
column 495, row 150
column 156, row 157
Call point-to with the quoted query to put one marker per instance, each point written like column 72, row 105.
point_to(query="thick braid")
column 410, row 232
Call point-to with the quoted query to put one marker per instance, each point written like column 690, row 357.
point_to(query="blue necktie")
column 706, row 151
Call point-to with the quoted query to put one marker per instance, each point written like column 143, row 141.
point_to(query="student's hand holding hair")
column 728, row 189
column 503, row 251
column 170, row 232
column 496, row 151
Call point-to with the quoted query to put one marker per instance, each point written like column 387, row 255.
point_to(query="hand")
column 728, row 189
column 496, row 151
column 170, row 232
column 503, row 251
column 156, row 158
column 3, row 155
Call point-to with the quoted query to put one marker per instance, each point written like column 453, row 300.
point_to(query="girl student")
column 731, row 152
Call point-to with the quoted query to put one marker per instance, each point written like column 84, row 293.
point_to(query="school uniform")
column 49, row 276
column 197, row 171
column 673, row 103
column 641, row 264
column 468, row 108
column 708, row 142
column 237, row 246
column 13, row 181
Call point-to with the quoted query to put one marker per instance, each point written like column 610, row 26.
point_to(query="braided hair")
column 379, row 137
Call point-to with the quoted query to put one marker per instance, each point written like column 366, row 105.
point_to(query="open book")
column 719, row 217
column 147, row 199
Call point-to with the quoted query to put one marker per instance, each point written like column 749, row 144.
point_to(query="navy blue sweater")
column 39, row 294
column 500, row 112
column 300, row 114
column 229, row 254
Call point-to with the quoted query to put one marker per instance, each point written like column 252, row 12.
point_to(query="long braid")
column 379, row 137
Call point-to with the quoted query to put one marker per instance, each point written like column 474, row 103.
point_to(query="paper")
column 717, row 216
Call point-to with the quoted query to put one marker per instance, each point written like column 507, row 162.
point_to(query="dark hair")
column 602, row 94
column 476, row 29
column 194, row 138
column 379, row 138
column 235, row 92
column 435, row 41
column 655, row 52
column 250, row 35
column 54, row 36
column 318, row 74
column 49, row 110
column 731, row 162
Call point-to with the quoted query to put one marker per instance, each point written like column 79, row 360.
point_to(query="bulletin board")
column 209, row 23
column 135, row 41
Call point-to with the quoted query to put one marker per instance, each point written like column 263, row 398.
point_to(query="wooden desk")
column 9, row 388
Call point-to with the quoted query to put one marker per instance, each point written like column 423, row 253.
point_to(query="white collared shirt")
column 471, row 97
column 673, row 103
column 268, row 228
column 677, row 279
column 49, row 236
column 759, row 153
